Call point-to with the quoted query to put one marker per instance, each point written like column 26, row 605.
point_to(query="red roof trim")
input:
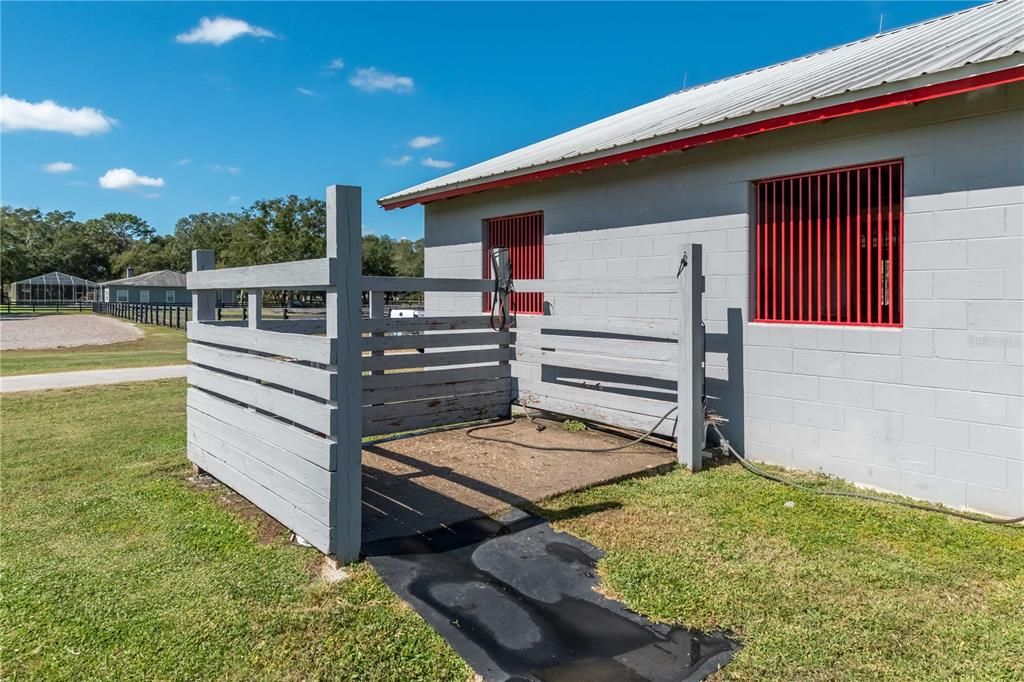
column 895, row 99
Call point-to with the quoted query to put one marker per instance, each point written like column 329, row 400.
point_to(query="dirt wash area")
column 63, row 331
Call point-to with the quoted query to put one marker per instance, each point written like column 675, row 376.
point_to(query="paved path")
column 91, row 377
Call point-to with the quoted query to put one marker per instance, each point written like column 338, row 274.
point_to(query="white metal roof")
column 976, row 40
column 157, row 278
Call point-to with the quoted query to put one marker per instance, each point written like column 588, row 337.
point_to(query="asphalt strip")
column 517, row 601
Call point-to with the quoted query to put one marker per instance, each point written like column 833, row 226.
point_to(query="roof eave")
column 927, row 87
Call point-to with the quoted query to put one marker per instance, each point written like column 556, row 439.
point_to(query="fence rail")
column 162, row 314
column 50, row 306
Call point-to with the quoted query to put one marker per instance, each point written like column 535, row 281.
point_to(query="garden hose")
column 727, row 446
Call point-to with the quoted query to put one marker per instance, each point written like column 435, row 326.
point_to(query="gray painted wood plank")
column 661, row 351
column 598, row 398
column 601, row 415
column 450, row 284
column 434, row 405
column 284, row 486
column 204, row 303
column 458, row 357
column 690, row 440
column 436, row 340
column 310, row 529
column 316, row 273
column 301, row 470
column 314, row 325
column 379, row 396
column 662, row 329
column 298, row 346
column 435, row 376
column 303, row 378
column 315, row 449
column 630, row 366
column 480, row 410
column 314, row 415
column 411, row 324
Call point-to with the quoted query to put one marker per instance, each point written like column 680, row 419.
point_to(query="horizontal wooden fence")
column 164, row 315
column 277, row 408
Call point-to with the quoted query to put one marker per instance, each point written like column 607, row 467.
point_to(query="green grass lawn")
column 828, row 589
column 115, row 567
column 158, row 346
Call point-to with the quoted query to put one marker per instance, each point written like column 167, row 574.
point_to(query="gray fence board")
column 476, row 409
column 419, row 324
column 450, row 284
column 317, row 273
column 310, row 529
column 628, row 366
column 315, row 449
column 601, row 286
column 459, row 357
column 437, row 340
column 603, row 415
column 314, row 325
column 314, row 415
column 298, row 346
column 311, row 380
column 660, row 351
column 377, row 396
column 661, row 329
column 435, row 376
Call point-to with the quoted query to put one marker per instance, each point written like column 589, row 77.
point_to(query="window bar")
column 857, row 223
column 899, row 237
column 800, row 250
column 879, row 262
column 817, row 248
column 828, row 247
column 889, row 258
column 775, row 250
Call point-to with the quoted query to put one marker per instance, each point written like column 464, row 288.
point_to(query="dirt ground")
column 424, row 482
column 24, row 332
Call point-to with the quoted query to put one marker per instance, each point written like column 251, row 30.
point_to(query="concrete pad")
column 91, row 377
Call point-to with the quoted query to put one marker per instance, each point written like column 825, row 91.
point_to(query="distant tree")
column 378, row 256
column 408, row 258
column 123, row 229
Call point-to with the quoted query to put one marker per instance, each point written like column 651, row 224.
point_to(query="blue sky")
column 289, row 98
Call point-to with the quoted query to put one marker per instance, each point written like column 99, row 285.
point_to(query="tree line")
column 100, row 249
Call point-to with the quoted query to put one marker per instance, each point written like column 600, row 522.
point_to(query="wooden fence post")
column 690, row 415
column 344, row 327
column 255, row 314
column 203, row 302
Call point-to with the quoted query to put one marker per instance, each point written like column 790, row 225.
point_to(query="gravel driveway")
column 63, row 331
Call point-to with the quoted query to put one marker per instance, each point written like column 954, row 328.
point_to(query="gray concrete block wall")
column 933, row 410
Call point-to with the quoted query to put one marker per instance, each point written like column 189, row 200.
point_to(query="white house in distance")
column 861, row 212
column 163, row 287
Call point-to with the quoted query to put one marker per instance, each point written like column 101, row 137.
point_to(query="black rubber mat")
column 517, row 600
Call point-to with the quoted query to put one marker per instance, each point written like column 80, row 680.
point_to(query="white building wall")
column 934, row 410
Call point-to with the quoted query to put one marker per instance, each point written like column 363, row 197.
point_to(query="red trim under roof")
column 877, row 103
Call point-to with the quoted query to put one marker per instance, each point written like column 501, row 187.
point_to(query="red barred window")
column 523, row 235
column 829, row 247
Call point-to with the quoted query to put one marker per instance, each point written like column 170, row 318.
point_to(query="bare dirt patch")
column 63, row 331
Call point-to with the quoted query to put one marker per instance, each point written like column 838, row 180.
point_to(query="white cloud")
column 126, row 178
column 232, row 170
column 437, row 163
column 59, row 167
column 183, row 162
column 372, row 80
column 400, row 161
column 234, row 199
column 422, row 141
column 17, row 114
column 222, row 30
column 336, row 64
column 306, row 91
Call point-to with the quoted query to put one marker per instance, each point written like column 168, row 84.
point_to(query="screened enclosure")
column 54, row 287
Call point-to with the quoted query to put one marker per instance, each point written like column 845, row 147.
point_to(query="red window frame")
column 523, row 235
column 829, row 247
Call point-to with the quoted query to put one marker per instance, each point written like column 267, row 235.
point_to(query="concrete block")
column 593, row 269
column 917, row 284
column 1005, row 316
column 934, row 488
column 756, row 381
column 831, row 338
column 995, row 196
column 943, row 433
column 874, row 475
column 795, row 436
column 962, row 345
column 969, row 284
column 737, row 240
column 769, row 452
column 770, row 408
column 845, row 392
column 874, row 423
column 1013, row 285
column 856, row 340
column 935, row 314
column 884, row 341
column 917, row 227
column 759, row 430
column 619, row 268
column 819, row 415
column 984, row 408
column 794, row 386
column 865, row 367
column 904, row 456
column 994, row 377
column 935, row 373
column 1002, row 441
column 607, row 248
column 971, row 467
column 917, row 343
column 818, row 363
column 818, row 463
column 1015, row 411
column 845, row 445
column 622, row 306
column 642, row 246
column 999, row 254
column 769, row 359
column 935, row 255
column 905, row 399
column 805, row 337
column 1004, row 503
column 972, row 223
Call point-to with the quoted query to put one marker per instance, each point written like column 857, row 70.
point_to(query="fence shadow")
column 725, row 396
